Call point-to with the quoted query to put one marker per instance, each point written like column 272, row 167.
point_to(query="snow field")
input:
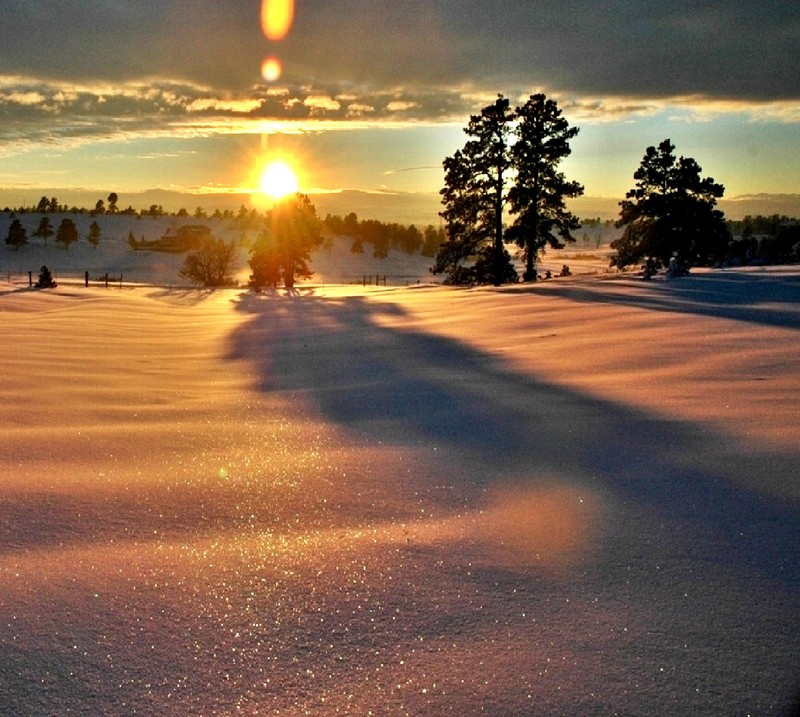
column 578, row 498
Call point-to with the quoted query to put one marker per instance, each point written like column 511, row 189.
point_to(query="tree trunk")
column 499, row 263
column 288, row 275
column 530, row 254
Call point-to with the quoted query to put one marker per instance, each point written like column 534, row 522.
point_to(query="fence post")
column 30, row 278
column 106, row 280
column 86, row 279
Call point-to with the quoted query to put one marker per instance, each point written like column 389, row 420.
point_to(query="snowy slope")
column 579, row 498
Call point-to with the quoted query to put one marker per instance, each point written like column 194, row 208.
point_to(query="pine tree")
column 67, row 232
column 93, row 237
column 17, row 235
column 510, row 166
column 670, row 214
column 474, row 197
column 45, row 279
column 45, row 228
column 538, row 194
column 292, row 230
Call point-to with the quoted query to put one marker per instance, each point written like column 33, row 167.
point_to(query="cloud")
column 36, row 111
column 403, row 170
column 723, row 49
column 320, row 105
column 401, row 106
column 100, row 70
column 235, row 106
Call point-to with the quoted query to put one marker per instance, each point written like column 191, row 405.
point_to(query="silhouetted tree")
column 45, row 279
column 474, row 197
column 99, row 207
column 93, row 237
column 670, row 213
column 112, row 203
column 537, row 196
column 511, row 164
column 17, row 235
column 44, row 205
column 44, row 230
column 292, row 230
column 265, row 263
column 350, row 224
column 212, row 264
column 67, row 232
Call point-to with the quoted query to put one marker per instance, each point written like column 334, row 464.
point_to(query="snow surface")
column 578, row 498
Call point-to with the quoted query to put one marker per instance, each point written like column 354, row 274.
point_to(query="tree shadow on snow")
column 771, row 298
column 404, row 387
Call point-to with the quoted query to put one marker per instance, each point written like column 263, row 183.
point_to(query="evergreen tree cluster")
column 765, row 239
column 504, row 187
column 509, row 168
column 383, row 236
column 66, row 234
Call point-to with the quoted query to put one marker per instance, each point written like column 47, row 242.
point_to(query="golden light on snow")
column 271, row 69
column 279, row 180
column 210, row 510
column 276, row 18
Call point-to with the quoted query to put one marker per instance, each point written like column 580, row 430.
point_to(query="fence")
column 107, row 279
column 117, row 278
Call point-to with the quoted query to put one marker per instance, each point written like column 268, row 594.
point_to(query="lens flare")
column 271, row 69
column 276, row 18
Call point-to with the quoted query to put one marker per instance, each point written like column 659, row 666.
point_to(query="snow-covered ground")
column 333, row 262
column 577, row 498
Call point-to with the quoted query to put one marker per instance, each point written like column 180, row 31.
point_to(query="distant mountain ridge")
column 420, row 208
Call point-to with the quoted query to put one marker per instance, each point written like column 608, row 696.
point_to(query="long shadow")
column 770, row 298
column 411, row 388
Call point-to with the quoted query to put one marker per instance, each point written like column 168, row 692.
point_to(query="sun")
column 278, row 179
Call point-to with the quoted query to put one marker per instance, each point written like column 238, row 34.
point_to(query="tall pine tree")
column 538, row 194
column 474, row 197
column 510, row 167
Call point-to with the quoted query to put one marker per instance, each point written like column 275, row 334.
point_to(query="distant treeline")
column 380, row 236
column 766, row 239
column 51, row 205
column 383, row 237
column 760, row 225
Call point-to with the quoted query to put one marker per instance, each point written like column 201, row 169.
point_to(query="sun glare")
column 278, row 179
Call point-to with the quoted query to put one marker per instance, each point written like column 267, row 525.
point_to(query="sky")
column 102, row 95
